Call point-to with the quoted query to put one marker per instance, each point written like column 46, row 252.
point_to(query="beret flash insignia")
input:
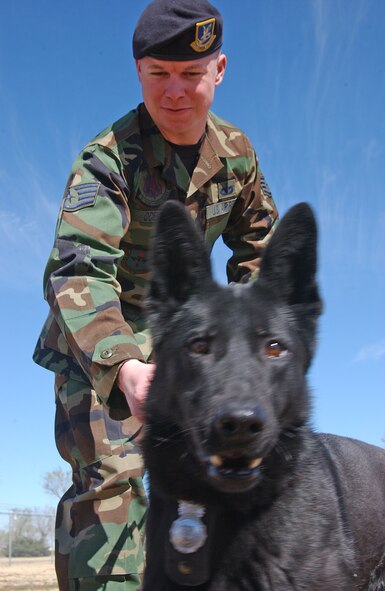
column 204, row 35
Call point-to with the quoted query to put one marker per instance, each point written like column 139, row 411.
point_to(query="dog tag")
column 188, row 533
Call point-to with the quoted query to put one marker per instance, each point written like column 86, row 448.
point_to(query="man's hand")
column 134, row 380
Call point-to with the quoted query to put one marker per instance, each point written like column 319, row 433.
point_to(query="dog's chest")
column 277, row 560
column 272, row 576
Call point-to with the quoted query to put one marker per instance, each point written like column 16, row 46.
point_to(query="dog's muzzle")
column 235, row 465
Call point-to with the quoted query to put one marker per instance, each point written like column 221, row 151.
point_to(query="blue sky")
column 305, row 81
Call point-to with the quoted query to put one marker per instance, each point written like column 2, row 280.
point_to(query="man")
column 95, row 338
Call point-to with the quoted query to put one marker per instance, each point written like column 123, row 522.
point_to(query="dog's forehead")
column 239, row 306
column 257, row 308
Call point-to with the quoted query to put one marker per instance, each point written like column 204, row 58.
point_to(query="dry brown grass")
column 28, row 574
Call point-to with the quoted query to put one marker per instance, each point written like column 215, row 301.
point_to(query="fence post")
column 12, row 517
column 53, row 538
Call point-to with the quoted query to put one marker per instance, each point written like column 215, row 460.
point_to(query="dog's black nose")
column 239, row 424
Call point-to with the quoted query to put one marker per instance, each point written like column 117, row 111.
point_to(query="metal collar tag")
column 188, row 533
column 188, row 548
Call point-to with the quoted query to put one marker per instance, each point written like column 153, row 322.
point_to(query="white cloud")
column 27, row 222
column 24, row 250
column 29, row 203
column 373, row 352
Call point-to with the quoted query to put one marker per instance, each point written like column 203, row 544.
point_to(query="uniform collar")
column 156, row 152
column 217, row 138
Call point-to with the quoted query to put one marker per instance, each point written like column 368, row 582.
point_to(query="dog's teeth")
column 255, row 463
column 216, row 461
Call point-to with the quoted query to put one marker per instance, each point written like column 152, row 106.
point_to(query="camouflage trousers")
column 100, row 519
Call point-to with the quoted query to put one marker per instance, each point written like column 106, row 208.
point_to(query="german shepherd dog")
column 244, row 495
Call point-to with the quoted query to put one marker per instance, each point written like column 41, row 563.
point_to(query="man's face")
column 178, row 95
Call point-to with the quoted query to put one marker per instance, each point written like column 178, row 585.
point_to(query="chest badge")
column 152, row 189
column 188, row 533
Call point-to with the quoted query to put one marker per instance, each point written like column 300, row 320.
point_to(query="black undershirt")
column 189, row 154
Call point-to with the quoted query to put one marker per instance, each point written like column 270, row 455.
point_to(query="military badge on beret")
column 204, row 35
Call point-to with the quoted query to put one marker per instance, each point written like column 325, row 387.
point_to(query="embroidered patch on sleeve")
column 265, row 187
column 80, row 196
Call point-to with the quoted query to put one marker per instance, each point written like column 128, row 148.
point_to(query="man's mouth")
column 177, row 110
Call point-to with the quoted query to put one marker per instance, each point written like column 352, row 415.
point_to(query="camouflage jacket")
column 97, row 271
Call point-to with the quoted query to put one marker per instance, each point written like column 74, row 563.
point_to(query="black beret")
column 178, row 30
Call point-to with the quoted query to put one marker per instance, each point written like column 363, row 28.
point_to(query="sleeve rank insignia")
column 80, row 196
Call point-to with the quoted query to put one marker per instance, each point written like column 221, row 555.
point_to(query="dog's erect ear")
column 289, row 263
column 180, row 263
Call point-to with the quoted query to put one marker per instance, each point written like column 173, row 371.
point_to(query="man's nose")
column 175, row 88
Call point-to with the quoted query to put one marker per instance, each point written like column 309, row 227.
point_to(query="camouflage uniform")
column 94, row 283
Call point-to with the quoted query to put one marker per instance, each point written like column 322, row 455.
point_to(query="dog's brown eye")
column 200, row 346
column 274, row 349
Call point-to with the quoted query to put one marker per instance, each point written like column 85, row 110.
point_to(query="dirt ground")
column 27, row 574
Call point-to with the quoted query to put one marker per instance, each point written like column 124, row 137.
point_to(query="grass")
column 28, row 574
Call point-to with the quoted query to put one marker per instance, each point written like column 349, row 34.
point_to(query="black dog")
column 244, row 495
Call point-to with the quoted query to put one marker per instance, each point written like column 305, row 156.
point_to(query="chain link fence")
column 22, row 527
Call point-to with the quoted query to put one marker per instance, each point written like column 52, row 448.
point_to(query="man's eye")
column 274, row 349
column 200, row 346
